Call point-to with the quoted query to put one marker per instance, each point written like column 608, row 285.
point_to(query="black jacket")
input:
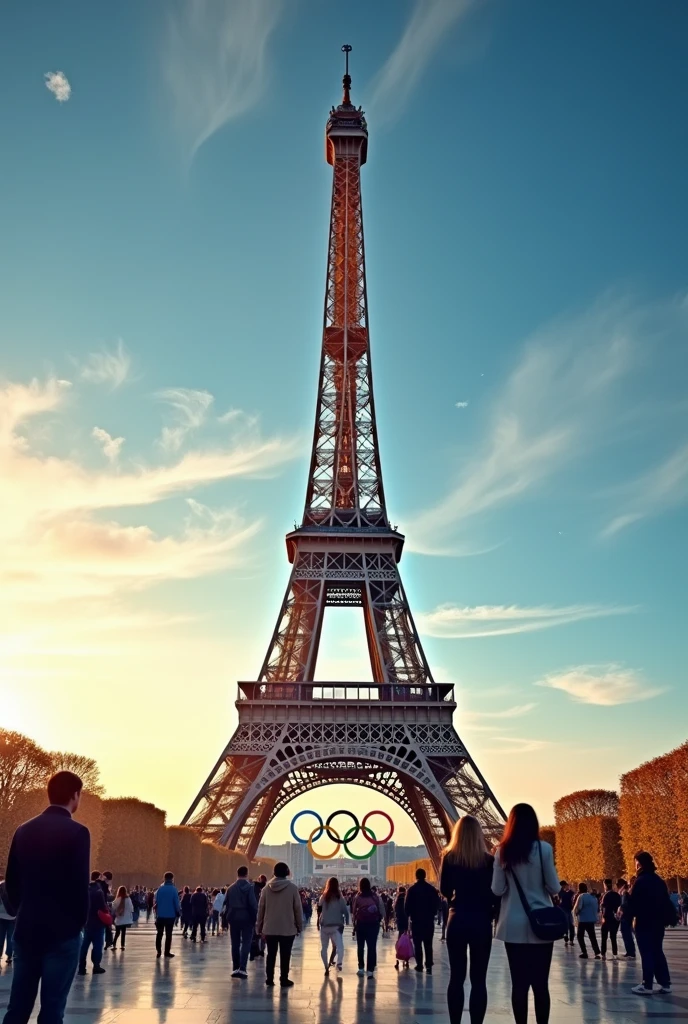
column 199, row 906
column 96, row 902
column 649, row 901
column 48, row 877
column 400, row 914
column 421, row 903
column 469, row 890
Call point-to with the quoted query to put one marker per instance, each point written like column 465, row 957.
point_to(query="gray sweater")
column 334, row 912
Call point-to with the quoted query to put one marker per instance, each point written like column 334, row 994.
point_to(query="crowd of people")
column 52, row 922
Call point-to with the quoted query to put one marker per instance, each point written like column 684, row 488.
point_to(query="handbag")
column 404, row 947
column 105, row 918
column 548, row 923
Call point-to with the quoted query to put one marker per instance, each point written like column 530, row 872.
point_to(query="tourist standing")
column 443, row 917
column 684, row 908
column 466, row 884
column 280, row 920
column 333, row 914
column 566, row 903
column 106, row 882
column 241, row 907
column 585, row 910
column 522, row 854
column 123, row 914
column 185, row 908
column 625, row 919
column 47, row 885
column 199, row 912
column 367, row 913
column 94, row 930
column 421, row 905
column 217, row 903
column 7, row 918
column 610, row 906
column 167, row 910
column 649, row 905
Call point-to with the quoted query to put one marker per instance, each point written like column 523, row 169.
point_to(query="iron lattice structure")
column 395, row 735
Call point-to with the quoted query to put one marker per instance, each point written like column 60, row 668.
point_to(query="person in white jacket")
column 333, row 914
column 123, row 916
column 523, row 855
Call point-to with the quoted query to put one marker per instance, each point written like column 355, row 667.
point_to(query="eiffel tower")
column 394, row 735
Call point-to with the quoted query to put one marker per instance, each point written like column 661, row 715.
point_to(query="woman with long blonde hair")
column 123, row 915
column 466, row 882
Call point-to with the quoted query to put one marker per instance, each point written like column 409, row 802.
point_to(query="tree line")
column 128, row 836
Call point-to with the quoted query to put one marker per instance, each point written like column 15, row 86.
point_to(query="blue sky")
column 164, row 208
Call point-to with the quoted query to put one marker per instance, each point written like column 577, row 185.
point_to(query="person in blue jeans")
column 649, row 905
column 242, row 910
column 7, row 917
column 47, row 884
column 167, row 910
column 94, row 932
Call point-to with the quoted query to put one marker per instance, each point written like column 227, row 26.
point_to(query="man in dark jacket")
column 94, row 932
column 650, row 905
column 421, row 905
column 242, row 909
column 199, row 913
column 47, row 882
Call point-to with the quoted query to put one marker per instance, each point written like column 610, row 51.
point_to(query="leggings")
column 121, row 934
column 529, row 964
column 464, row 935
column 327, row 932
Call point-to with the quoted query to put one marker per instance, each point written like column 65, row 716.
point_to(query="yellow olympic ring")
column 321, row 856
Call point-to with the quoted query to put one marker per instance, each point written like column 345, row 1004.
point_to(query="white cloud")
column 427, row 28
column 190, row 409
column 111, row 445
column 214, row 62
column 516, row 745
column 451, row 621
column 605, row 685
column 516, row 711
column 549, row 413
column 105, row 367
column 461, row 405
column 59, row 86
column 663, row 487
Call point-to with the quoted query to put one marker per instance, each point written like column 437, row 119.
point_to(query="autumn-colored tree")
column 85, row 767
column 586, row 803
column 134, row 844
column 262, row 866
column 184, row 854
column 548, row 834
column 23, row 766
column 681, row 803
column 649, row 811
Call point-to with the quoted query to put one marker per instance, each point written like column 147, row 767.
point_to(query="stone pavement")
column 195, row 988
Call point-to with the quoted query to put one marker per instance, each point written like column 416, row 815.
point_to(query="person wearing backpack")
column 650, row 906
column 241, row 906
column 522, row 856
column 421, row 905
column 367, row 912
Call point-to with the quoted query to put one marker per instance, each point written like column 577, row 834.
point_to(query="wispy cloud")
column 661, row 488
column 515, row 711
column 58, row 84
column 513, row 745
column 107, row 367
column 451, row 621
column 215, row 62
column 54, row 546
column 427, row 28
column 111, row 445
column 605, row 685
column 461, row 405
column 190, row 409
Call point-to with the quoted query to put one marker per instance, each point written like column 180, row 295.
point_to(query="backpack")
column 367, row 910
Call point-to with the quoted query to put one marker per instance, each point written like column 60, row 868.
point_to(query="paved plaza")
column 195, row 988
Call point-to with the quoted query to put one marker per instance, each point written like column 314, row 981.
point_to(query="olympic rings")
column 349, row 836
column 320, row 856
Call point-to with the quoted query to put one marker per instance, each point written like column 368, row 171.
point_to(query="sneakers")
column 236, row 973
column 242, row 974
column 603, row 956
column 629, row 956
column 582, row 956
column 287, row 983
column 598, row 957
column 169, row 955
column 665, row 988
column 640, row 990
column 418, row 969
column 369, row 974
column 360, row 972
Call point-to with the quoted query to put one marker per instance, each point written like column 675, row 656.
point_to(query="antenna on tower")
column 346, row 50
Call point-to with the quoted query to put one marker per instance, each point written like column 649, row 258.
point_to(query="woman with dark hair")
column 524, row 856
column 367, row 912
column 465, row 881
column 651, row 907
column 186, row 917
column 333, row 914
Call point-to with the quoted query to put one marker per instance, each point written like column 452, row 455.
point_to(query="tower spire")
column 346, row 81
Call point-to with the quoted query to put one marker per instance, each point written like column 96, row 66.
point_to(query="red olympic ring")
column 377, row 842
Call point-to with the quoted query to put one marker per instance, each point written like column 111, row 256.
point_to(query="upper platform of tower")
column 346, row 123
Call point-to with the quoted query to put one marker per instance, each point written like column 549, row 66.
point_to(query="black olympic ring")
column 353, row 833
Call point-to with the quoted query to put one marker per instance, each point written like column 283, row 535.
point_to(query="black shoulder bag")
column 548, row 923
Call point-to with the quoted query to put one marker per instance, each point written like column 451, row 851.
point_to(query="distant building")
column 296, row 855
